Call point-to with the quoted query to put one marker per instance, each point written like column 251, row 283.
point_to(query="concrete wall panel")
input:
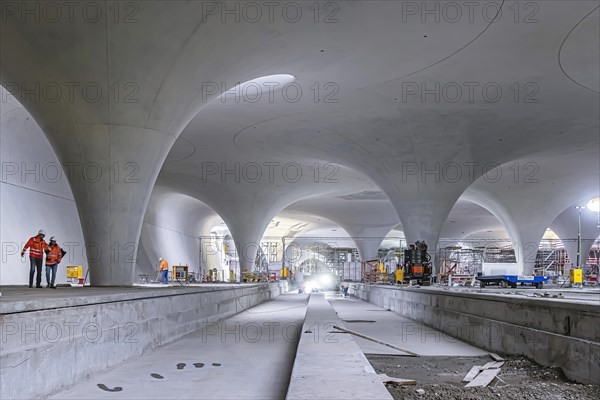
column 85, row 338
column 552, row 333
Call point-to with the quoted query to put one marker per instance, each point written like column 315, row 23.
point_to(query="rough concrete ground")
column 440, row 378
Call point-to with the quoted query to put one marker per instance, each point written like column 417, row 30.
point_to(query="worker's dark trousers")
column 35, row 265
column 51, row 269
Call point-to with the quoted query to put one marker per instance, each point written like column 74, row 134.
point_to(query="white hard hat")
column 42, row 232
column 160, row 259
column 52, row 238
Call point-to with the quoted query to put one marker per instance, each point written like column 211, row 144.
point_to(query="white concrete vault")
column 528, row 205
column 467, row 218
column 174, row 227
column 366, row 221
column 404, row 123
column 566, row 226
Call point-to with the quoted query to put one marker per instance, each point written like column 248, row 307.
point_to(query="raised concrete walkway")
column 17, row 299
column 248, row 356
column 331, row 366
column 377, row 322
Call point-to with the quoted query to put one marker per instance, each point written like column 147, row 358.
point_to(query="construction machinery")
column 417, row 263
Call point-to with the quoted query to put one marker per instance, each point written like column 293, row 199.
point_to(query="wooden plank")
column 484, row 378
column 396, row 381
column 472, row 373
column 496, row 357
column 493, row 364
column 488, row 365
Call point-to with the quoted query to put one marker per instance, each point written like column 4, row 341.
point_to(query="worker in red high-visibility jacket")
column 54, row 256
column 37, row 246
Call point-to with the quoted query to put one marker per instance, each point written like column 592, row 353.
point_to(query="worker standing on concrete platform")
column 36, row 246
column 164, row 270
column 54, row 255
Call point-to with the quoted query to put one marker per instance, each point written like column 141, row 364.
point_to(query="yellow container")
column 399, row 275
column 74, row 271
column 576, row 275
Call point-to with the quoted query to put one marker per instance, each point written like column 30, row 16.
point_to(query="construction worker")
column 36, row 246
column 54, row 255
column 164, row 270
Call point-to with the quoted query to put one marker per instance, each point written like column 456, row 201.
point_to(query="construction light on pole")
column 579, row 208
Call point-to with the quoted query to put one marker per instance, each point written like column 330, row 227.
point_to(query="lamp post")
column 579, row 208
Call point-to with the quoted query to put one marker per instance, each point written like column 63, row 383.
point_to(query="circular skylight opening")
column 594, row 204
column 265, row 88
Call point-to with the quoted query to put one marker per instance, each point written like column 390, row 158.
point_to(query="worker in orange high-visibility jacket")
column 36, row 246
column 164, row 270
column 54, row 255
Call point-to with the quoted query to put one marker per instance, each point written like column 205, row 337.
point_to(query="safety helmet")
column 160, row 259
column 52, row 238
column 42, row 232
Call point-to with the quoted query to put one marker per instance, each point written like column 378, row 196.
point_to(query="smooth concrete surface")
column 255, row 350
column 34, row 195
column 555, row 333
column 376, row 106
column 16, row 299
column 379, row 323
column 331, row 365
column 77, row 336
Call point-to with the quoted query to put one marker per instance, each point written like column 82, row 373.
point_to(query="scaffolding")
column 460, row 263
column 332, row 254
column 374, row 271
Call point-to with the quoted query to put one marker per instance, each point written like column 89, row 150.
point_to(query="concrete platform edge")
column 487, row 323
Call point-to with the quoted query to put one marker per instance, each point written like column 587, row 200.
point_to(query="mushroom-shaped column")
column 111, row 108
column 110, row 153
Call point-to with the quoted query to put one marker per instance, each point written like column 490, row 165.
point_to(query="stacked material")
column 483, row 375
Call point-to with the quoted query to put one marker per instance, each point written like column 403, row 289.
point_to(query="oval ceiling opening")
column 263, row 88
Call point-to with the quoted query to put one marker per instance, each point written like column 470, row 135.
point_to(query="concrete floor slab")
column 248, row 356
column 22, row 298
column 396, row 330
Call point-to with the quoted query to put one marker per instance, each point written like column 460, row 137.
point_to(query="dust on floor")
column 440, row 378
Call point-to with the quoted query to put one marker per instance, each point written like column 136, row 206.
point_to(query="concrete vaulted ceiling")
column 402, row 104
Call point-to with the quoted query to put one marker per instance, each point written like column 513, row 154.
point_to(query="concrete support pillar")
column 247, row 225
column 111, row 179
column 367, row 238
column 423, row 220
column 368, row 247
